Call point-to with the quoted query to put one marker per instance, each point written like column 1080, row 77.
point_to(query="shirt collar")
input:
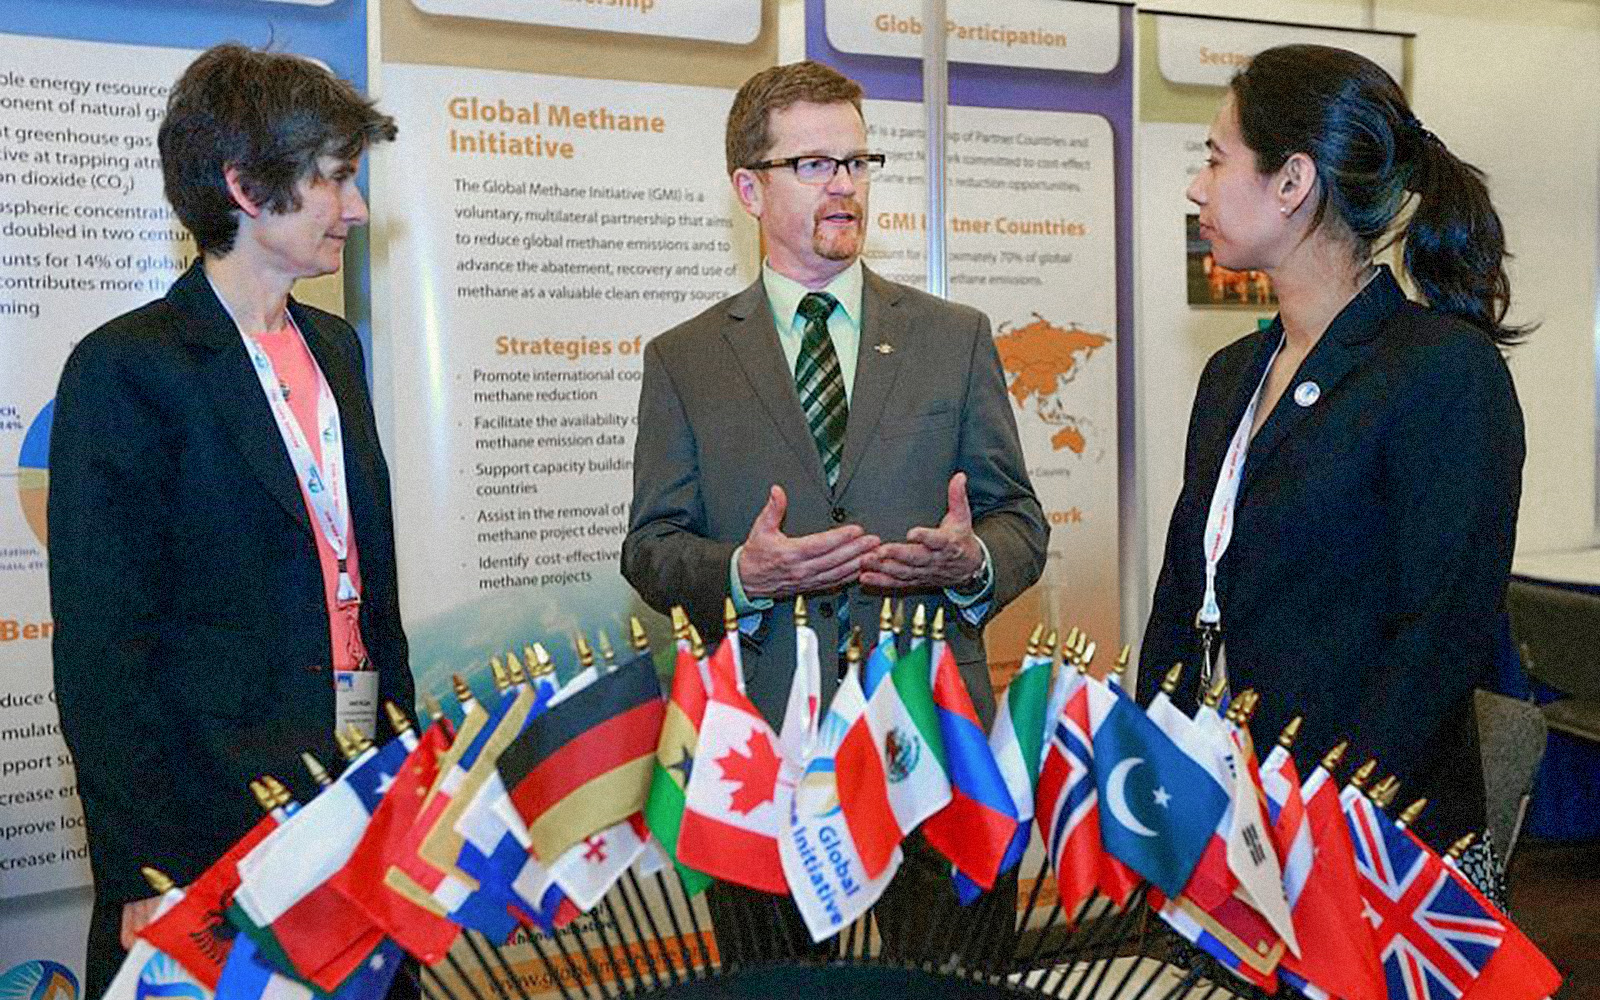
column 785, row 293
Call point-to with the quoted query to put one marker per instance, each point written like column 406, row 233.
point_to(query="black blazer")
column 191, row 644
column 1371, row 546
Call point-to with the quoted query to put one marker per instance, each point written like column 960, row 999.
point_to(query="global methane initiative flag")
column 830, row 885
column 1160, row 805
column 587, row 762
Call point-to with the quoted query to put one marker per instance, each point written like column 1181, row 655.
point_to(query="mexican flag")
column 891, row 766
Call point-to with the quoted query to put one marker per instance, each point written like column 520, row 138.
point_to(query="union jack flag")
column 1433, row 937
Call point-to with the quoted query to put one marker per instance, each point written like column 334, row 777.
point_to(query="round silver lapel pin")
column 1307, row 393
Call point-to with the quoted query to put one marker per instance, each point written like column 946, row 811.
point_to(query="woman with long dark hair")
column 1344, row 533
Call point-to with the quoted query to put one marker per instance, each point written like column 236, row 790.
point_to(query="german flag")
column 586, row 763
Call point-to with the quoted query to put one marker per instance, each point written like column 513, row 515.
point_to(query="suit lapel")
column 234, row 392
column 883, row 323
column 753, row 342
column 1344, row 345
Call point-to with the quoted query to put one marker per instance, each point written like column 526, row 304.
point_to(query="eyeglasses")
column 821, row 169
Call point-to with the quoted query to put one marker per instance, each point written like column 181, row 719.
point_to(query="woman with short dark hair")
column 1344, row 533
column 222, row 569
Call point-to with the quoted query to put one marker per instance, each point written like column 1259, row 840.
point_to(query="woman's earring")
column 1283, row 209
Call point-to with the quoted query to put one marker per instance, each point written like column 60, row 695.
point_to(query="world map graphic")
column 1041, row 359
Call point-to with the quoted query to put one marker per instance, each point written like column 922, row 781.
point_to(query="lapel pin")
column 884, row 348
column 1307, row 393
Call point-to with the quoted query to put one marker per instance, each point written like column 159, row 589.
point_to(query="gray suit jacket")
column 719, row 422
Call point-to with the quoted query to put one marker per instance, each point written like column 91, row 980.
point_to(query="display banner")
column 1044, row 34
column 1038, row 207
column 1188, row 307
column 551, row 227
column 85, row 234
column 556, row 198
column 707, row 20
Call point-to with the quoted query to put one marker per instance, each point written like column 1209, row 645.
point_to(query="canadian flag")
column 737, row 802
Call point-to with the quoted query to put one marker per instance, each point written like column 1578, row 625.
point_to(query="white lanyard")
column 322, row 483
column 1219, row 523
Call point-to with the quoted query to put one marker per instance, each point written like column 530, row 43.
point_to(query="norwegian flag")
column 1433, row 937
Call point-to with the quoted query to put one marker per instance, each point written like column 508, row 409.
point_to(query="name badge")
column 355, row 701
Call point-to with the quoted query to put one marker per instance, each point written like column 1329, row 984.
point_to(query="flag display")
column 532, row 811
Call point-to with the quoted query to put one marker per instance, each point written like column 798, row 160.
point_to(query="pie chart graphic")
column 33, row 471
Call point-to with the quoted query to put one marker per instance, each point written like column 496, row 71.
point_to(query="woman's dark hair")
column 1372, row 156
column 270, row 115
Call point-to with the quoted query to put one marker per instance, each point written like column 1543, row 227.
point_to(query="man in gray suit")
column 826, row 432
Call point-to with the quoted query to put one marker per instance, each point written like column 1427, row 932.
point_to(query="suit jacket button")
column 316, row 668
column 839, row 515
column 825, row 610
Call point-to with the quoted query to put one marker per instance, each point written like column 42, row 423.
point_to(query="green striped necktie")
column 820, row 382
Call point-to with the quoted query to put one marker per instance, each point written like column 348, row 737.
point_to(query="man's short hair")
column 270, row 115
column 749, row 120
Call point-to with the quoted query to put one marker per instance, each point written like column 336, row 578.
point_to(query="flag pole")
column 655, row 933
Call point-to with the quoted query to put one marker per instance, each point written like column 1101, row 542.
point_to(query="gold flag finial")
column 280, row 794
column 1460, row 847
column 318, row 773
column 899, row 617
column 463, row 693
column 919, row 622
column 1363, row 774
column 800, row 619
column 397, row 719
column 640, row 638
column 1069, row 645
column 852, row 649
column 345, row 748
column 1333, row 758
column 1169, row 683
column 606, row 652
column 1122, row 657
column 258, row 788
column 431, row 704
column 158, row 880
column 1377, row 790
column 730, row 617
column 697, row 645
column 1034, row 639
column 886, row 616
column 514, row 669
column 502, row 680
column 1247, row 702
column 938, row 625
column 1213, row 696
column 542, row 664
column 1412, row 812
column 361, row 741
column 537, row 662
column 680, row 623
column 585, row 654
column 1391, row 789
column 1049, row 647
column 1291, row 732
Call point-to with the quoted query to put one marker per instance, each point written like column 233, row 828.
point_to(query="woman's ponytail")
column 1455, row 248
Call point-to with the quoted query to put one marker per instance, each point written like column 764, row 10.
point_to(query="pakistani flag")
column 891, row 768
column 680, row 737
